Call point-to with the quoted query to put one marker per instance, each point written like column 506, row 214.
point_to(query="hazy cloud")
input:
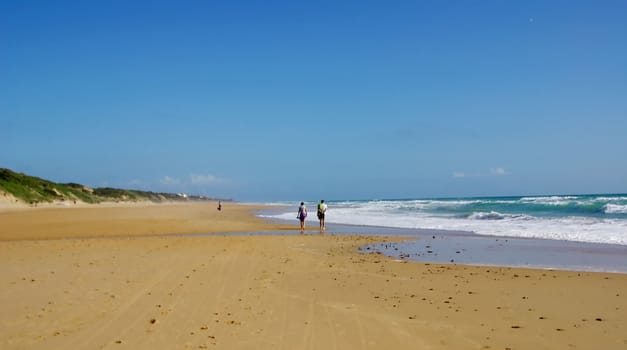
column 167, row 180
column 193, row 180
column 498, row 172
column 205, row 180
column 493, row 172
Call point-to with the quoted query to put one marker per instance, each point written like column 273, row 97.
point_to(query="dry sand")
column 127, row 220
column 272, row 292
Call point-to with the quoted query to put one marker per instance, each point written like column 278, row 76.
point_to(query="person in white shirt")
column 322, row 210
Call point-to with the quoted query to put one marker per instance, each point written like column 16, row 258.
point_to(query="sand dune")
column 272, row 292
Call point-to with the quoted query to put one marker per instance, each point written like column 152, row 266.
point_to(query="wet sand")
column 472, row 249
column 118, row 284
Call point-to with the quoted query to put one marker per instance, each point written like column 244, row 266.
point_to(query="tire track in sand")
column 96, row 337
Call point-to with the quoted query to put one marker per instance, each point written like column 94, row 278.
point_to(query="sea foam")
column 601, row 219
column 615, row 209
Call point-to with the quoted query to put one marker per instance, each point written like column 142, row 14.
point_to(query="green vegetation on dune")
column 33, row 190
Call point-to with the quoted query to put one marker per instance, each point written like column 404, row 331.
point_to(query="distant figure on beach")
column 322, row 210
column 302, row 214
column 219, row 205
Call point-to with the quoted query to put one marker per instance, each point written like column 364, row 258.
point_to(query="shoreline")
column 273, row 291
column 420, row 245
column 581, row 218
column 469, row 248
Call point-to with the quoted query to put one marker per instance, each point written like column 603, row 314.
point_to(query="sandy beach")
column 118, row 277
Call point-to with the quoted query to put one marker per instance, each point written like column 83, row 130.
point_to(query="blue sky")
column 291, row 100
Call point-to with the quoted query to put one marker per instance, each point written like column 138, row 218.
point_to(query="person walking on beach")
column 302, row 214
column 322, row 210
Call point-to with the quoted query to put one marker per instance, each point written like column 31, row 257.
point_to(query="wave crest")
column 615, row 209
column 494, row 215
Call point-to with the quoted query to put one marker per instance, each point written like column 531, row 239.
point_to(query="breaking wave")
column 586, row 218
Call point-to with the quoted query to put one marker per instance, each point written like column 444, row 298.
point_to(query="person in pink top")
column 302, row 214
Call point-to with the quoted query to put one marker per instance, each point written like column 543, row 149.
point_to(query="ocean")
column 578, row 218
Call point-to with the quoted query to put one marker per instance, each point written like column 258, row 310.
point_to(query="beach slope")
column 139, row 290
